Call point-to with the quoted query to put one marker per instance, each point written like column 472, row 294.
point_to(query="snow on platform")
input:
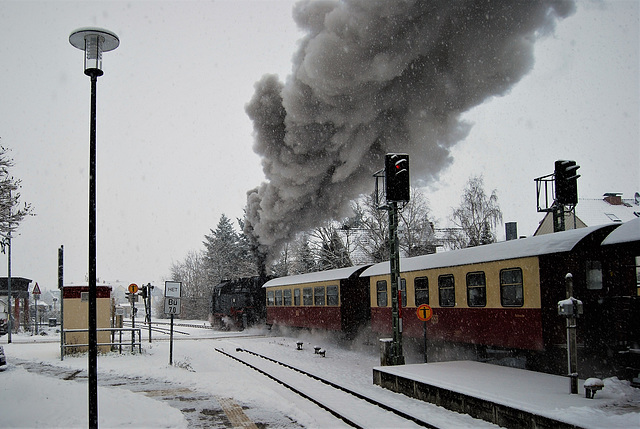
column 513, row 397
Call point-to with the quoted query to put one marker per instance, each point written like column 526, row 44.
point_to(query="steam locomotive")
column 238, row 304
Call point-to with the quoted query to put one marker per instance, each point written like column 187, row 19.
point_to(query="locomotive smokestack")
column 372, row 77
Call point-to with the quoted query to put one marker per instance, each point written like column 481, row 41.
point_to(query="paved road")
column 200, row 410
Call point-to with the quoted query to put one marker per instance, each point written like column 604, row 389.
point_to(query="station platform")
column 508, row 397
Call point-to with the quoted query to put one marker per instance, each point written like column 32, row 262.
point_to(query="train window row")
column 311, row 296
column 511, row 289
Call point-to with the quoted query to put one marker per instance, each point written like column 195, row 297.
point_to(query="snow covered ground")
column 30, row 399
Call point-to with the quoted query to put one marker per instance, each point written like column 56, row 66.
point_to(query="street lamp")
column 93, row 41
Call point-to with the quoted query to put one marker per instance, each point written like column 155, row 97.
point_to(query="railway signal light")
column 566, row 182
column 397, row 184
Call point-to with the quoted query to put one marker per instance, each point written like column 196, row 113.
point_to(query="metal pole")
column 424, row 335
column 171, row 342
column 61, row 288
column 394, row 260
column 149, row 308
column 93, row 335
column 572, row 349
column 9, row 314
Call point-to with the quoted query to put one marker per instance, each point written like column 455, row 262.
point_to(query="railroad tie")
column 234, row 412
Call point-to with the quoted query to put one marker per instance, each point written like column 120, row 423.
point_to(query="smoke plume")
column 378, row 76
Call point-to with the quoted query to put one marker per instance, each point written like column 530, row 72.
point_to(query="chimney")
column 613, row 198
column 511, row 230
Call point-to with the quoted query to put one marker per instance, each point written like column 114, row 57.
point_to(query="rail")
column 113, row 342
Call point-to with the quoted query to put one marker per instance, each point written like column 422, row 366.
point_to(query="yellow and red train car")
column 505, row 295
column 335, row 300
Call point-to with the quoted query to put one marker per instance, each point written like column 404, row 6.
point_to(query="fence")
column 113, row 344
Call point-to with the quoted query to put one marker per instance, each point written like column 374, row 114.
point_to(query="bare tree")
column 416, row 235
column 477, row 216
column 196, row 290
column 11, row 214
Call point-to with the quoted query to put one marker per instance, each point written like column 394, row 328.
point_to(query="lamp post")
column 93, row 41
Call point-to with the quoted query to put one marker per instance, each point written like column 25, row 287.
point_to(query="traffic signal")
column 396, row 169
column 144, row 292
column 566, row 182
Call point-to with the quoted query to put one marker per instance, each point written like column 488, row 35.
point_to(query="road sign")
column 133, row 288
column 424, row 312
column 171, row 306
column 172, row 289
column 36, row 290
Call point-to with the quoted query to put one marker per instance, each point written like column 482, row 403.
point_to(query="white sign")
column 172, row 306
column 172, row 289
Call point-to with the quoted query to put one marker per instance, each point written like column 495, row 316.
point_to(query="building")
column 611, row 208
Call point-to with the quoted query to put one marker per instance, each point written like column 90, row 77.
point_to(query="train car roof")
column 625, row 233
column 320, row 276
column 533, row 246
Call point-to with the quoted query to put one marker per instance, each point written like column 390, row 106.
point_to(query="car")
column 3, row 359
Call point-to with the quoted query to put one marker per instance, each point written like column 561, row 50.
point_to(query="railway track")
column 354, row 408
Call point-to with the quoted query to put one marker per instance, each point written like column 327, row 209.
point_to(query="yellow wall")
column 76, row 316
column 530, row 279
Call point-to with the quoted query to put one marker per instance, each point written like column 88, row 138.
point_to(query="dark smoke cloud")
column 373, row 77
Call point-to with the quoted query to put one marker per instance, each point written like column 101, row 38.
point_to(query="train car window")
column 270, row 298
column 421, row 289
column 447, row 290
column 318, row 295
column 511, row 288
column 594, row 275
column 296, row 297
column 332, row 295
column 403, row 291
column 279, row 297
column 286, row 295
column 307, row 296
column 381, row 288
column 476, row 289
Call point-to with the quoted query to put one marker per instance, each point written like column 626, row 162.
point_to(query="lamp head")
column 93, row 41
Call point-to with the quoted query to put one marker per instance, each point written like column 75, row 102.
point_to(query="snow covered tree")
column 11, row 213
column 303, row 260
column 477, row 216
column 330, row 250
column 227, row 253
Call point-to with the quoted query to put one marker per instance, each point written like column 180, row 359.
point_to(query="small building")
column 611, row 208
column 76, row 317
column 20, row 302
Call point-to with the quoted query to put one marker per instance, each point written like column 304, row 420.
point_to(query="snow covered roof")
column 320, row 276
column 600, row 211
column 532, row 246
column 625, row 233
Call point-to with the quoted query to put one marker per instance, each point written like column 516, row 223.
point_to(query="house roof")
column 596, row 211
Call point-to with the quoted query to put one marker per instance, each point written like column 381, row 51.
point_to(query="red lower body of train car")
column 328, row 318
column 505, row 328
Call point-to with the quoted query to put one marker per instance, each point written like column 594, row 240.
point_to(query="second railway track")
column 354, row 408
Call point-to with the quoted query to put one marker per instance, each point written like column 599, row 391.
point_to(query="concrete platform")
column 508, row 397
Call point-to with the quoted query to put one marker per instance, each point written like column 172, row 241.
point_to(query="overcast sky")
column 175, row 144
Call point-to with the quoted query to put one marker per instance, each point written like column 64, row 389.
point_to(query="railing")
column 113, row 343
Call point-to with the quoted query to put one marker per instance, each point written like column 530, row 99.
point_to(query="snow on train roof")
column 538, row 245
column 625, row 233
column 320, row 276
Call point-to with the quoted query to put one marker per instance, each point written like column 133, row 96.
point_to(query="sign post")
column 424, row 313
column 172, row 294
column 36, row 295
